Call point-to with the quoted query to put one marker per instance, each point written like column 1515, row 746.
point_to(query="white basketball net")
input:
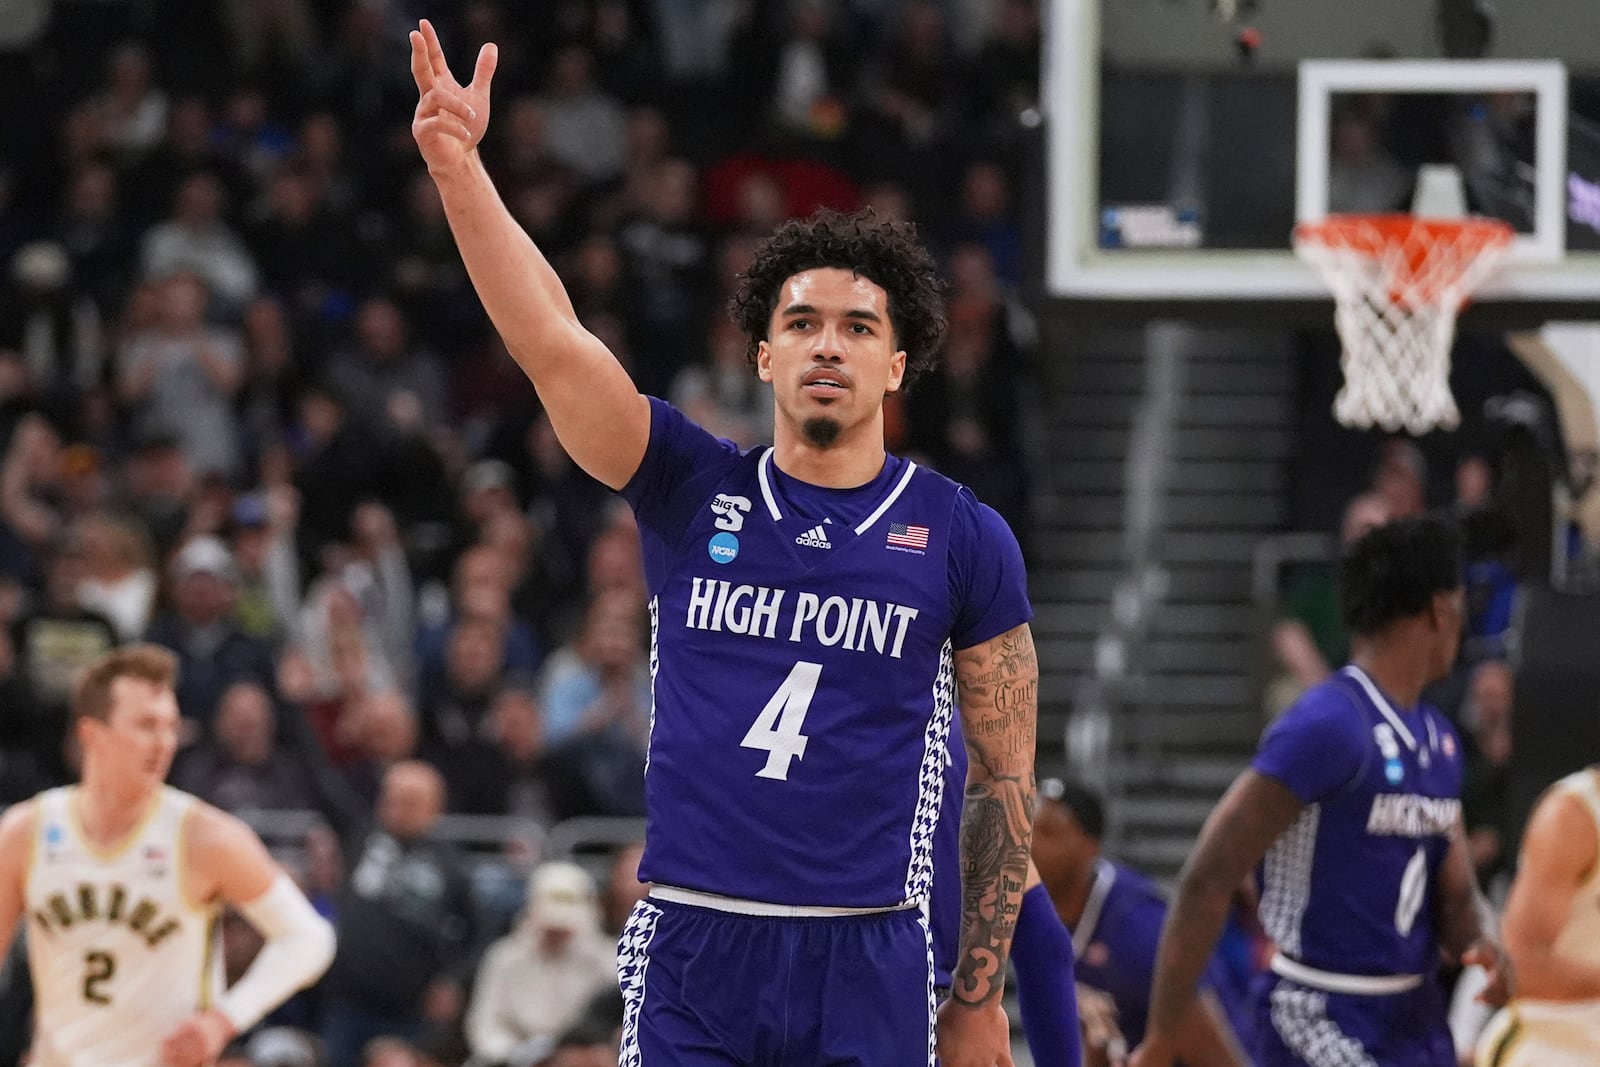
column 1397, row 296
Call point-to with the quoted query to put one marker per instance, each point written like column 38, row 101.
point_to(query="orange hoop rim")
column 1440, row 260
column 1383, row 230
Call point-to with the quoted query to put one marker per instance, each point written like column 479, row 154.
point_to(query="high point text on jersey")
column 855, row 623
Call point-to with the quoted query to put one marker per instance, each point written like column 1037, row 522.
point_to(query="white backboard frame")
column 1077, row 268
column 1320, row 79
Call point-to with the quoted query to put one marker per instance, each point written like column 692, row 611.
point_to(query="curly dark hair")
column 884, row 252
column 1394, row 570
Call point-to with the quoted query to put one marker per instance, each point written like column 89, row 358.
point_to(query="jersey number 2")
column 777, row 729
column 98, row 967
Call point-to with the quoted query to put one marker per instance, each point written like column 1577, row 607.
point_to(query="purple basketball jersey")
column 1349, row 887
column 804, row 690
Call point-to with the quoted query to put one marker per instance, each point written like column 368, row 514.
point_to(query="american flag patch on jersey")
column 908, row 536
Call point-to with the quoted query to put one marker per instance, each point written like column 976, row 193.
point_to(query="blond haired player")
column 121, row 880
column 1552, row 934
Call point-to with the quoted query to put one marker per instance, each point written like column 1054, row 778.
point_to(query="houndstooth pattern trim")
column 633, row 959
column 930, row 781
column 1286, row 880
column 1300, row 1016
column 655, row 663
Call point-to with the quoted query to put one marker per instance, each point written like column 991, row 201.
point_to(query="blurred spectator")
column 1485, row 791
column 911, row 88
column 304, row 246
column 1474, row 484
column 131, row 106
column 195, row 238
column 480, row 589
column 985, row 217
column 723, row 393
column 504, row 769
column 405, row 924
column 98, row 237
column 419, row 264
column 273, row 375
column 667, row 259
column 213, row 650
column 180, row 377
column 455, row 703
column 694, row 36
column 239, row 766
column 1008, row 66
column 625, row 64
column 376, row 731
column 536, row 981
column 340, row 648
column 28, row 762
column 384, row 374
column 248, row 134
column 272, row 41
column 56, row 326
column 119, row 574
column 53, row 641
column 1401, row 478
column 585, row 127
column 29, row 494
column 600, row 682
column 810, row 67
column 160, row 486
column 1309, row 640
column 186, row 149
column 965, row 416
column 1363, row 177
column 338, row 465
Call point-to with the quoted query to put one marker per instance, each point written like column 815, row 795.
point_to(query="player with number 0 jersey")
column 1351, row 808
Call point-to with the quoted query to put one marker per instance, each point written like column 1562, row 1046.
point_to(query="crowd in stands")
column 251, row 410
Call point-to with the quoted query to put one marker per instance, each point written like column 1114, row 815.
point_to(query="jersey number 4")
column 776, row 730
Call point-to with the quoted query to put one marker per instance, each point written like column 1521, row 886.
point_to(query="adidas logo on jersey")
column 816, row 537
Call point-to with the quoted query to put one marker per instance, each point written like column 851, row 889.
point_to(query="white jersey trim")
column 764, row 476
column 1382, row 705
column 894, row 494
column 766, row 486
column 740, row 906
column 1105, row 876
column 1368, row 985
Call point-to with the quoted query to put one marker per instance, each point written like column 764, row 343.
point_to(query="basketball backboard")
column 1186, row 144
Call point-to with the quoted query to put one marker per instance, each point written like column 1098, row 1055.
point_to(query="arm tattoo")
column 999, row 683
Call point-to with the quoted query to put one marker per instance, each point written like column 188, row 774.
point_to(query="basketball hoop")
column 1398, row 282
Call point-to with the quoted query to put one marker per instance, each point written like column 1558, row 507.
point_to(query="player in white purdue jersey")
column 121, row 881
column 1552, row 934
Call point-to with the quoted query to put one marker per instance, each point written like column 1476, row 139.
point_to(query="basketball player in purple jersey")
column 820, row 612
column 1351, row 807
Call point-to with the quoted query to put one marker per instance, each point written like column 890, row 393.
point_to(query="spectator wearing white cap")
column 213, row 651
column 536, row 981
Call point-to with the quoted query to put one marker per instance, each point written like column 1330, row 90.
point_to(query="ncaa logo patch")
column 723, row 547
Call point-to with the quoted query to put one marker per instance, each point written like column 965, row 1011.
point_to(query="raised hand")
column 450, row 118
